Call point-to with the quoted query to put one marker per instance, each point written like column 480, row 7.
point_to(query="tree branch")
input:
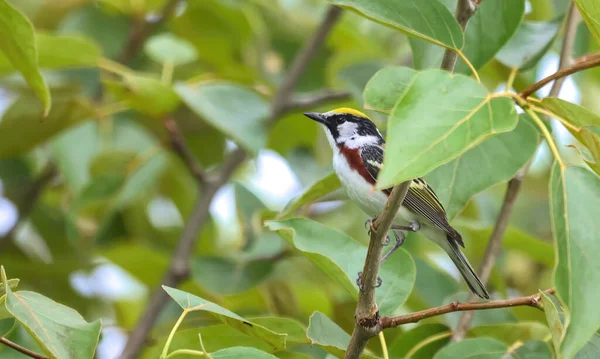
column 367, row 321
column 179, row 269
column 178, row 145
column 494, row 245
column 301, row 61
column 316, row 99
column 531, row 301
column 465, row 9
column 21, row 349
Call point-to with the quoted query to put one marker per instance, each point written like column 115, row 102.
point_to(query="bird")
column 358, row 150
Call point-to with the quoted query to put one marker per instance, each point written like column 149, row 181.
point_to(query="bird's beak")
column 316, row 117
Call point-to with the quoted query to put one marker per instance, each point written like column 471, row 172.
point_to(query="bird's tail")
column 465, row 269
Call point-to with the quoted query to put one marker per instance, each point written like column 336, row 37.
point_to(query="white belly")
column 362, row 193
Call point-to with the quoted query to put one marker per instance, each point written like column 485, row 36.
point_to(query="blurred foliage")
column 100, row 198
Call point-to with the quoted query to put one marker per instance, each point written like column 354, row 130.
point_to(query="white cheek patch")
column 347, row 129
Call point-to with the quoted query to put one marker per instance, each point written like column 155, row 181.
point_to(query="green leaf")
column 495, row 160
column 12, row 284
column 144, row 93
column 225, row 276
column 553, row 319
column 61, row 52
column 193, row 303
column 235, row 111
column 531, row 41
column 167, row 48
column 535, row 349
column 590, row 13
column 574, row 195
column 18, row 45
column 478, row 348
column 242, row 353
column 510, row 333
column 323, row 332
column 145, row 264
column 315, row 191
column 586, row 123
column 421, row 342
column 427, row 20
column 432, row 284
column 487, row 32
column 22, row 127
column 59, row 330
column 340, row 257
column 439, row 117
column 385, row 88
column 6, row 326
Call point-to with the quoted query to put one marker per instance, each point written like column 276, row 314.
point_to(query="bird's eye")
column 340, row 120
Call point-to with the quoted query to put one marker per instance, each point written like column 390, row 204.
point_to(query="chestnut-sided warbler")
column 358, row 149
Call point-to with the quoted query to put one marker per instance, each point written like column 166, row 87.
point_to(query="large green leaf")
column 18, row 45
column 59, row 330
column 427, row 20
column 590, row 12
column 236, row 111
column 574, row 198
column 193, row 303
column 585, row 126
column 432, row 284
column 340, row 257
column 22, row 128
column 487, row 32
column 146, row 94
column 510, row 333
column 241, row 353
column 529, row 44
column 421, row 342
column 315, row 191
column 387, row 86
column 61, row 52
column 478, row 348
column 439, row 117
column 553, row 319
column 328, row 335
column 495, row 160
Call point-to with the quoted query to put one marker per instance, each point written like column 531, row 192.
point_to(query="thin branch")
column 316, row 99
column 179, row 269
column 141, row 29
column 465, row 9
column 178, row 145
column 494, row 245
column 586, row 62
column 367, row 321
column 301, row 61
column 21, row 349
column 393, row 322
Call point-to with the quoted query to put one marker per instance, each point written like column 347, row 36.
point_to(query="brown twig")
column 494, row 245
column 584, row 63
column 465, row 9
column 177, row 143
column 179, row 267
column 366, row 317
column 392, row 322
column 21, row 349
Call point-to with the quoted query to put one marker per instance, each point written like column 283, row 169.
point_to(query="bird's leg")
column 413, row 227
column 359, row 282
column 400, row 237
column 369, row 226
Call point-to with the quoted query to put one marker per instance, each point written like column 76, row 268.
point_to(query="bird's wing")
column 420, row 198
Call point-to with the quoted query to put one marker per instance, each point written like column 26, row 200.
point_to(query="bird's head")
column 347, row 127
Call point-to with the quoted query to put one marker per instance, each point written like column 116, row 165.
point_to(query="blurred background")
column 92, row 201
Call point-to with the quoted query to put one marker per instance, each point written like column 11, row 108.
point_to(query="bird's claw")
column 386, row 241
column 369, row 225
column 359, row 282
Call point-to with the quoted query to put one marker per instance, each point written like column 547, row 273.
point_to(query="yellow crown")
column 350, row 111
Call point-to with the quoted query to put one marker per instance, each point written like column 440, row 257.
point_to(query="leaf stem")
column 172, row 334
column 185, row 352
column 547, row 135
column 511, row 78
column 549, row 113
column 464, row 58
column 384, row 348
